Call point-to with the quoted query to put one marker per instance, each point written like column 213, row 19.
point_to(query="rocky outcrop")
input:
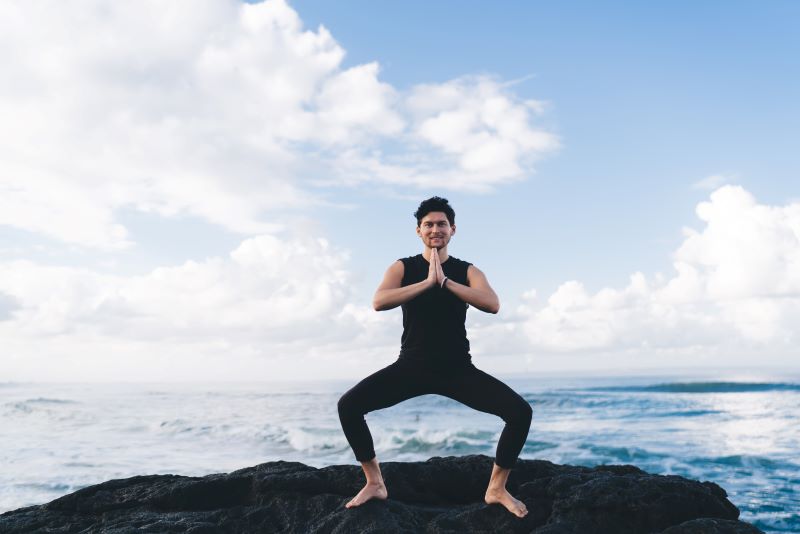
column 439, row 495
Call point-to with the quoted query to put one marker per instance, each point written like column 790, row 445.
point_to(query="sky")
column 211, row 190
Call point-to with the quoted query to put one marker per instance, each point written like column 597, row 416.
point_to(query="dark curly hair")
column 435, row 204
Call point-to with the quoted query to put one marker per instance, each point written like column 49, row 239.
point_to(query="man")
column 435, row 290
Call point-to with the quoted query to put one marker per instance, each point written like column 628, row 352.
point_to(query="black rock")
column 439, row 495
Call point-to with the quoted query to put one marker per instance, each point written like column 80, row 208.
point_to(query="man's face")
column 435, row 231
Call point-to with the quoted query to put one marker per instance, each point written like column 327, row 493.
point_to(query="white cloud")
column 223, row 110
column 275, row 304
column 478, row 121
column 736, row 286
column 285, row 308
column 266, row 288
column 482, row 134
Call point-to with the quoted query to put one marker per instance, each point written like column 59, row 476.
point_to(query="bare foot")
column 502, row 496
column 369, row 491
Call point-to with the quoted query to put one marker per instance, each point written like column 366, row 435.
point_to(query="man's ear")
column 418, row 231
column 453, row 229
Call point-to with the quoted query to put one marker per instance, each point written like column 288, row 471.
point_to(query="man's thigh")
column 384, row 388
column 480, row 391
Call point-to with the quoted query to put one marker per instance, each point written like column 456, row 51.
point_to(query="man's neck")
column 442, row 254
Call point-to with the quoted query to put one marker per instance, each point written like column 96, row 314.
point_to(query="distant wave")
column 746, row 460
column 34, row 405
column 683, row 413
column 603, row 453
column 45, row 400
column 705, row 387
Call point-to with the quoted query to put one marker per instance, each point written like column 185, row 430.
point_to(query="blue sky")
column 144, row 146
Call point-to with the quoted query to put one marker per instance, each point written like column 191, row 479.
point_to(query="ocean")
column 742, row 434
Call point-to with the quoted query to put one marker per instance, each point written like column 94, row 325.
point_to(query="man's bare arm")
column 390, row 294
column 478, row 293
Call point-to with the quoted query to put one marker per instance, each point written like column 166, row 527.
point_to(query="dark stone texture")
column 437, row 496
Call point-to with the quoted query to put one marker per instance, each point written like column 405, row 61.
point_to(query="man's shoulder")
column 460, row 262
column 411, row 259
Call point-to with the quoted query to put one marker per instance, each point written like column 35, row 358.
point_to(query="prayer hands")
column 435, row 272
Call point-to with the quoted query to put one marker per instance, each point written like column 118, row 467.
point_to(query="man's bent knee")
column 521, row 414
column 346, row 406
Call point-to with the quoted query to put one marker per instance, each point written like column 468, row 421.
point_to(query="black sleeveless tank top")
column 433, row 322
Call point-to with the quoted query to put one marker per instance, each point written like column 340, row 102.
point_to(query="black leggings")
column 468, row 385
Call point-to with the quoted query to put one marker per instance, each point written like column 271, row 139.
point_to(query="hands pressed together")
column 476, row 292
column 435, row 272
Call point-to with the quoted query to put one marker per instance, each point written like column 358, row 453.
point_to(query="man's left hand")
column 438, row 266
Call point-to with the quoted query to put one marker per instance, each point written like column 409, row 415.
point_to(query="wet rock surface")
column 436, row 496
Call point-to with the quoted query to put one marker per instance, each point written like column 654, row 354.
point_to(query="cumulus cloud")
column 222, row 110
column 285, row 308
column 281, row 304
column 482, row 126
column 736, row 284
column 483, row 136
column 266, row 289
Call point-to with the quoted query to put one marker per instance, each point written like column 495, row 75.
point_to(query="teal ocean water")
column 742, row 434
